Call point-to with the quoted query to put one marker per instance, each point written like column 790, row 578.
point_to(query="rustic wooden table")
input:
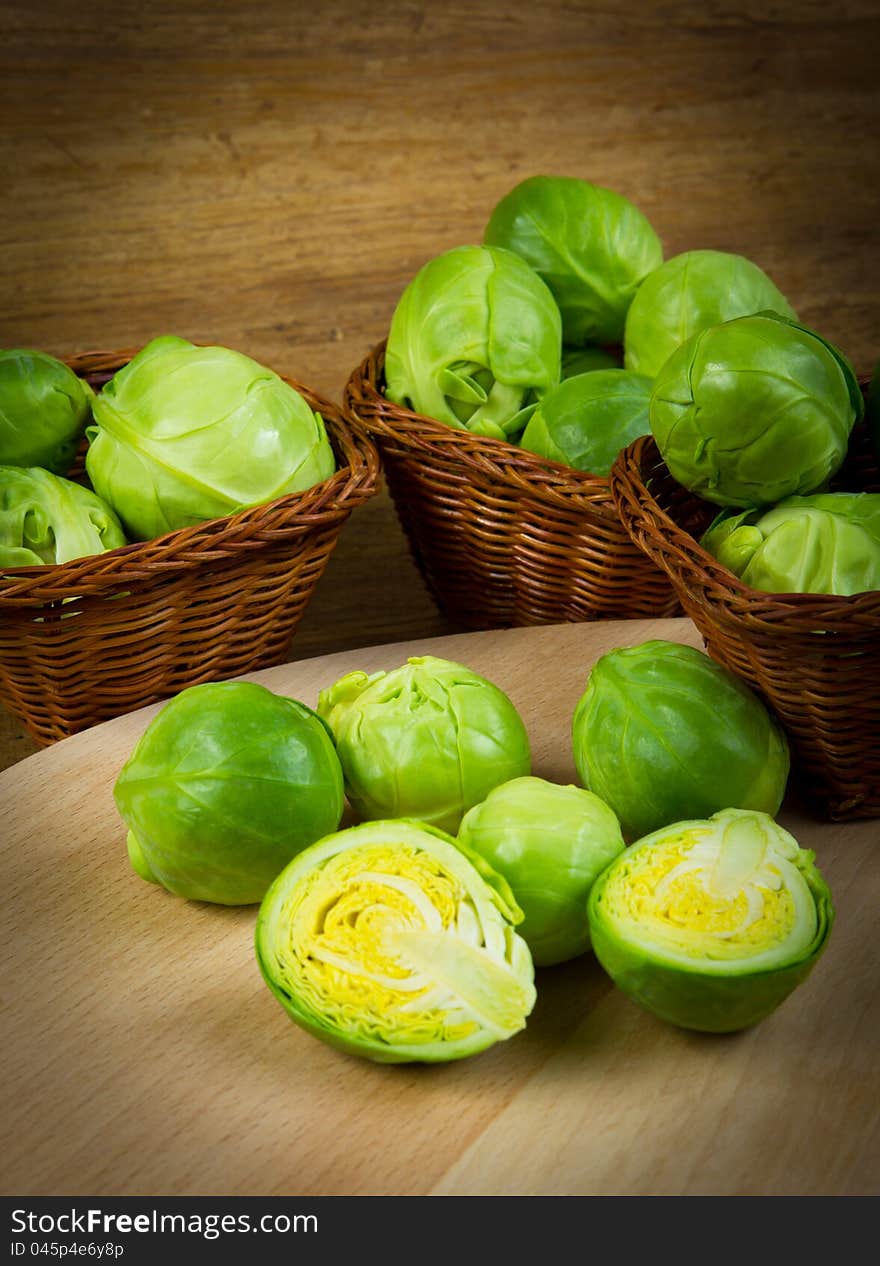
column 271, row 177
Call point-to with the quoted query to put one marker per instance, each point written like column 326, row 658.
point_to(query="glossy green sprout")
column 44, row 408
column 710, row 924
column 228, row 783
column 475, row 341
column 827, row 543
column 390, row 941
column 754, row 410
column 427, row 740
column 184, row 434
column 688, row 293
column 45, row 518
column 550, row 843
column 592, row 246
column 587, row 420
column 663, row 733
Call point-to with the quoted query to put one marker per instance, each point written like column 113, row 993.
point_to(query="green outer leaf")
column 689, row 293
column 592, row 246
column 227, row 783
column 485, row 888
column 698, row 999
column 44, row 407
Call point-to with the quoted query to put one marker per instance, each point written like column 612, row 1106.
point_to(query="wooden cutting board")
column 144, row 1055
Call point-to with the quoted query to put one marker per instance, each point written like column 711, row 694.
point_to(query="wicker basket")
column 501, row 536
column 87, row 640
column 814, row 659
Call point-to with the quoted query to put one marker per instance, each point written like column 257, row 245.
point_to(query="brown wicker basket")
column 87, row 640
column 501, row 536
column 814, row 659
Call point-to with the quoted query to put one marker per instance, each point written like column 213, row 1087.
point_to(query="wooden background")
column 270, row 177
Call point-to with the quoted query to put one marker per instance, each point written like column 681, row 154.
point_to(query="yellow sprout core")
column 387, row 943
column 717, row 891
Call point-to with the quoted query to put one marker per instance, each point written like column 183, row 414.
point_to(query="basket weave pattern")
column 815, row 659
column 501, row 536
column 87, row 640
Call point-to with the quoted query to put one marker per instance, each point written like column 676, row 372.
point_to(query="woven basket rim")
column 353, row 482
column 696, row 572
column 480, row 455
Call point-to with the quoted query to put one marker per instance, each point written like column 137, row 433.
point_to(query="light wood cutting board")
column 143, row 1054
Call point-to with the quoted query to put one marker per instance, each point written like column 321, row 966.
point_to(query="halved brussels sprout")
column 827, row 543
column 390, row 941
column 754, row 410
column 44, row 407
column 227, row 783
column 663, row 733
column 549, row 842
column 688, row 293
column 45, row 518
column 587, row 420
column 592, row 246
column 711, row 924
column 186, row 433
column 427, row 740
column 475, row 341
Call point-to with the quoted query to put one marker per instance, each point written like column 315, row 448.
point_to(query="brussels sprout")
column 427, row 740
column 592, row 246
column 475, row 340
column 184, row 433
column 583, row 360
column 228, row 783
column 663, row 733
column 550, row 843
column 587, row 420
column 754, row 410
column 711, row 924
column 45, row 518
column 688, row 293
column 388, row 941
column 44, row 408
column 827, row 543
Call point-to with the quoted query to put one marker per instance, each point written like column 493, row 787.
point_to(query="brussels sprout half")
column 549, row 842
column 427, row 740
column 227, row 783
column 710, row 924
column 592, row 246
column 390, row 941
column 754, row 410
column 827, row 543
column 44, row 407
column 183, row 434
column 663, row 733
column 475, row 341
column 688, row 293
column 45, row 518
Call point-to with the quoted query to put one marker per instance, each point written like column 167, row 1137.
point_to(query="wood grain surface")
column 271, row 176
column 144, row 1055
